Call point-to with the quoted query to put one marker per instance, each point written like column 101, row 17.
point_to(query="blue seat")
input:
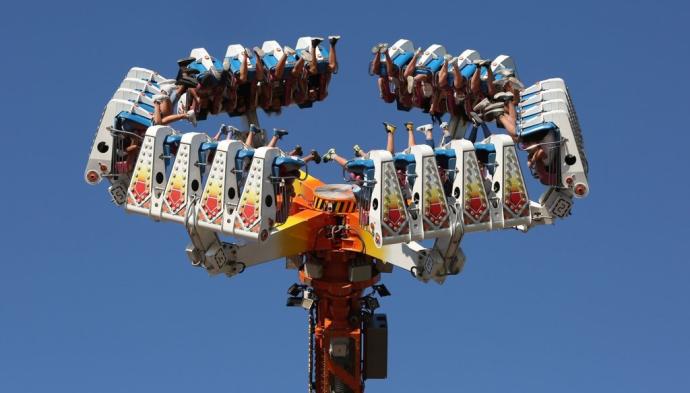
column 537, row 131
column 133, row 117
column 446, row 158
column 283, row 165
column 400, row 61
column 431, row 67
column 467, row 71
column 403, row 159
column 486, row 154
column 203, row 71
column 271, row 61
column 359, row 165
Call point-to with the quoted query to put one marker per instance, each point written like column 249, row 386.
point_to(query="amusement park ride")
column 339, row 237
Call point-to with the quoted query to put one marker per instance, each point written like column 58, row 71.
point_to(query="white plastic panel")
column 388, row 218
column 255, row 215
column 428, row 190
column 220, row 197
column 468, row 188
column 149, row 177
column 184, row 185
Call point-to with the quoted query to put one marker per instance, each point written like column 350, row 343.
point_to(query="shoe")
column 493, row 114
column 332, row 39
column 389, row 127
column 410, row 84
column 316, row 156
column 503, row 96
column 481, row 62
column 409, row 125
column 191, row 116
column 329, row 155
column 187, row 81
column 426, row 127
column 288, row 51
column 452, row 61
column 190, row 71
column 253, row 128
column 184, row 62
column 376, row 48
column 306, row 56
column 447, row 57
column 493, row 106
column 315, row 41
column 475, row 118
column 259, row 52
column 357, row 150
column 515, row 82
column 297, row 151
column 418, row 51
column 481, row 105
column 444, row 126
column 279, row 132
column 506, row 72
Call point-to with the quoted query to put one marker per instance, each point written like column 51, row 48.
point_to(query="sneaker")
column 376, row 48
column 187, row 82
column 332, row 39
column 506, row 72
column 475, row 118
column 481, row 62
column 389, row 127
column 383, row 47
column 515, row 82
column 493, row 114
column 316, row 156
column 259, row 52
column 184, row 62
column 279, row 132
column 426, row 127
column 289, row 51
column 444, row 126
column 357, row 150
column 306, row 55
column 315, row 41
column 329, row 155
column 253, row 128
column 447, row 57
column 503, row 96
column 452, row 61
column 297, row 151
column 493, row 106
column 418, row 51
column 481, row 105
column 191, row 116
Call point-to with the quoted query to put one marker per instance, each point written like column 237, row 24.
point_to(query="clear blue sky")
column 94, row 300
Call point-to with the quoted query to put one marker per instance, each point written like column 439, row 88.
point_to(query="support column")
column 338, row 331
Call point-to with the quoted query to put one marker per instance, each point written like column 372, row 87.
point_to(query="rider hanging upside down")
column 314, row 84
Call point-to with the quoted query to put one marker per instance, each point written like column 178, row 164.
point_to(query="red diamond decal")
column 211, row 206
column 476, row 206
column 140, row 190
column 175, row 198
column 436, row 210
column 248, row 211
column 395, row 217
column 515, row 201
